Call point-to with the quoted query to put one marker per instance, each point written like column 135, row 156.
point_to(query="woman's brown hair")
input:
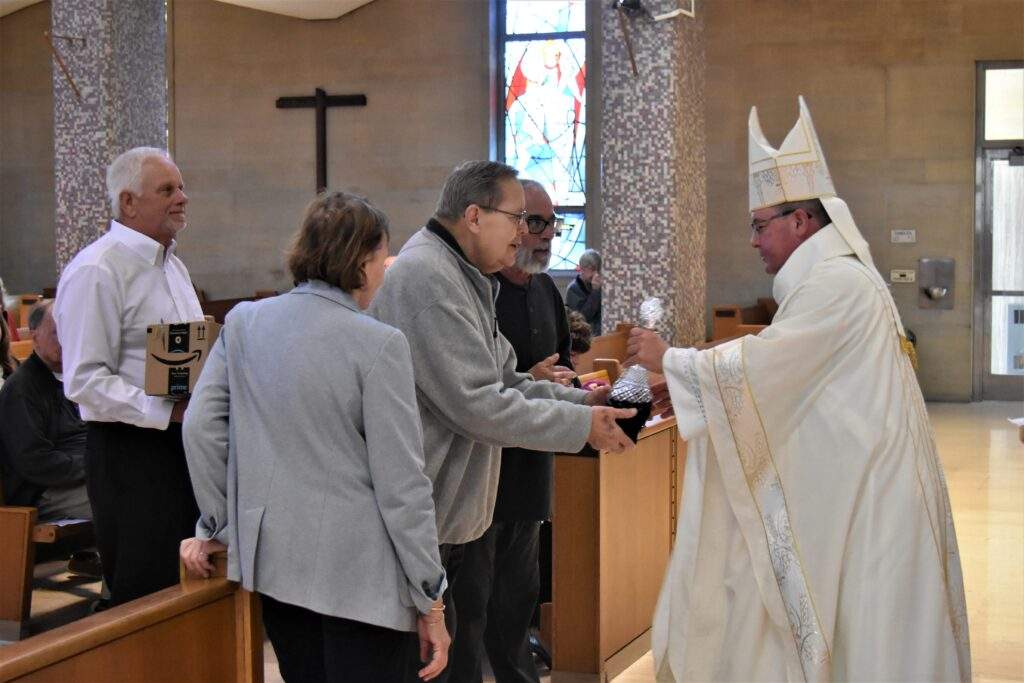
column 339, row 232
column 7, row 363
column 579, row 332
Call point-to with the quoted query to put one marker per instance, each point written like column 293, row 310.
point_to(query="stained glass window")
column 543, row 132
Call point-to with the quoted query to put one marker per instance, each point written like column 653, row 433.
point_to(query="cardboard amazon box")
column 175, row 355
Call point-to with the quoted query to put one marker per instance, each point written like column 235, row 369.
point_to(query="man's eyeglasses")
column 538, row 224
column 518, row 217
column 757, row 227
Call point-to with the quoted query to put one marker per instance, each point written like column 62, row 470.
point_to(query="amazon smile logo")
column 194, row 356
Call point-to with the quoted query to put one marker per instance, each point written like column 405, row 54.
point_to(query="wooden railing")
column 205, row 630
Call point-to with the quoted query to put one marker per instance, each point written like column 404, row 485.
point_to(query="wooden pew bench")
column 199, row 631
column 733, row 321
column 20, row 350
column 25, row 304
column 19, row 534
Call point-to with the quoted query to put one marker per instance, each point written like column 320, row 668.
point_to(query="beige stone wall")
column 26, row 152
column 249, row 167
column 890, row 84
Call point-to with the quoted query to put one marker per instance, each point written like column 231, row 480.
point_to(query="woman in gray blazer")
column 304, row 446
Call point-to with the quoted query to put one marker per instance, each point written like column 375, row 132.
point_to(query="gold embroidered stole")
column 744, row 454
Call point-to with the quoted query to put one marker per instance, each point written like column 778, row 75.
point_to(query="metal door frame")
column 987, row 386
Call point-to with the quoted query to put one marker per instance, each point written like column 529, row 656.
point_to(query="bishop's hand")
column 645, row 348
column 662, row 400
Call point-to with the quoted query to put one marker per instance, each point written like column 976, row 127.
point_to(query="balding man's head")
column 43, row 329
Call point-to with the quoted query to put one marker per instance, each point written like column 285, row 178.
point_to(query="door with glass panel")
column 999, row 284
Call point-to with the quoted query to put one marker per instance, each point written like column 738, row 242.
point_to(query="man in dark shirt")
column 584, row 293
column 497, row 586
column 42, row 440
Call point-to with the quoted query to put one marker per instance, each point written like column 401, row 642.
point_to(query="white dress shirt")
column 107, row 296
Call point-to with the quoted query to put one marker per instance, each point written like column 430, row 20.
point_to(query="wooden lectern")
column 612, row 530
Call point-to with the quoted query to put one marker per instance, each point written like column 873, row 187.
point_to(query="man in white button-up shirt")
column 111, row 291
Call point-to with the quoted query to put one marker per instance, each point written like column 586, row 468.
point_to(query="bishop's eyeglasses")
column 757, row 227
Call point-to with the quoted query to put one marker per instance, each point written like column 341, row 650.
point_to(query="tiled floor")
column 984, row 462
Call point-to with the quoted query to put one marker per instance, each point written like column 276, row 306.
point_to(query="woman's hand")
column 546, row 369
column 195, row 554
column 434, row 642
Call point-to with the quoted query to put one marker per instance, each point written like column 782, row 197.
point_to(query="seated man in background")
column 42, row 445
column 584, row 293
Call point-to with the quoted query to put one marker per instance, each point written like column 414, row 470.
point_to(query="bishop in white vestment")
column 815, row 540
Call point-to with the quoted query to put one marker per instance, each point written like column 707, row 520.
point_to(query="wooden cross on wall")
column 320, row 101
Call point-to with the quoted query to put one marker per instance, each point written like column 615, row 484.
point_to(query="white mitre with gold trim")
column 794, row 172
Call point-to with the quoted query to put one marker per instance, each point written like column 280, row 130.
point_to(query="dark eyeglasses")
column 538, row 224
column 517, row 216
column 757, row 227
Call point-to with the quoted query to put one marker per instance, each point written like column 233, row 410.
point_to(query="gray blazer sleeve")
column 394, row 445
column 205, row 435
column 458, row 379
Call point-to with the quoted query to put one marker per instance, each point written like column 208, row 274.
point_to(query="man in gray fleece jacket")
column 472, row 402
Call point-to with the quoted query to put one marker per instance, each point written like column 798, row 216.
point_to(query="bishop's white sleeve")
column 88, row 317
column 681, row 374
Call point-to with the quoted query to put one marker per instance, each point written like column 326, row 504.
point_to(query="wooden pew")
column 595, row 379
column 732, row 321
column 219, row 308
column 200, row 631
column 20, row 350
column 25, row 304
column 19, row 533
column 607, row 346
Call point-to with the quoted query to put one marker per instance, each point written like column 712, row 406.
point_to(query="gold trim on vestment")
column 765, row 487
column 908, row 348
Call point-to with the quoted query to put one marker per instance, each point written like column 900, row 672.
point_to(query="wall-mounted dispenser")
column 935, row 283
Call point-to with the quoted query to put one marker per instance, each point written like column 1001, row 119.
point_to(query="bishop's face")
column 774, row 235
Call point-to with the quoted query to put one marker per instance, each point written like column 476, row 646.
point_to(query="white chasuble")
column 815, row 540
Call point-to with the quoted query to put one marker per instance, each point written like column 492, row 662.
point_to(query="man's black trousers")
column 142, row 503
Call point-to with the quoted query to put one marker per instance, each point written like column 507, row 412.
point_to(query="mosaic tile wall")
column 120, row 72
column 653, row 169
